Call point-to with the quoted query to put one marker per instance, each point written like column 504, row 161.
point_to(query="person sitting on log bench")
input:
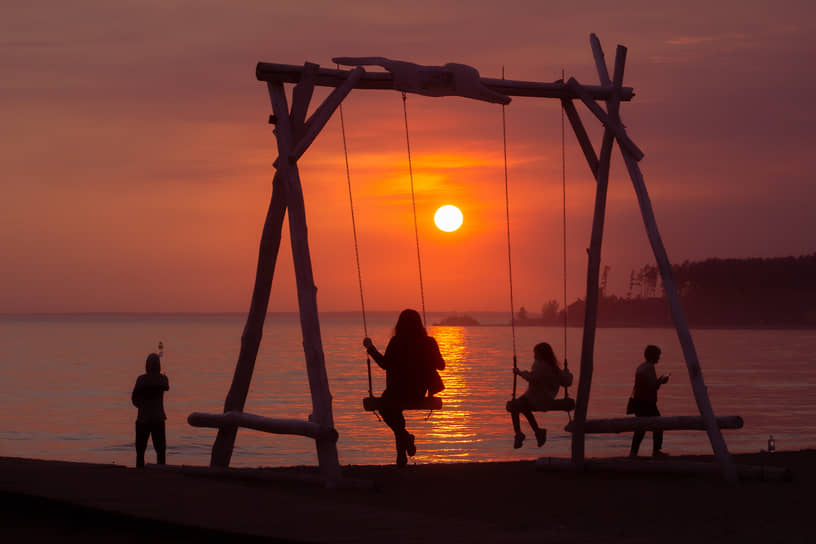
column 643, row 402
column 544, row 379
column 411, row 363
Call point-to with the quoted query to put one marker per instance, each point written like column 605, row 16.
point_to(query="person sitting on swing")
column 411, row 362
column 544, row 379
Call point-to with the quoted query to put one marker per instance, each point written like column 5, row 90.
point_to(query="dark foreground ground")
column 50, row 501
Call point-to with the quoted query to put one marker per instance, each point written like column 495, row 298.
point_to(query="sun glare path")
column 448, row 218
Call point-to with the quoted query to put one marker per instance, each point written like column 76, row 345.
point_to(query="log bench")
column 657, row 423
column 262, row 423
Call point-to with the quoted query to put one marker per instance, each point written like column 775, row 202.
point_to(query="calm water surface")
column 67, row 383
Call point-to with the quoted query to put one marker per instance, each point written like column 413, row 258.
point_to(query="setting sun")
column 448, row 218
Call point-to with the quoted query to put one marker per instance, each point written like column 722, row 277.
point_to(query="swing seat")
column 371, row 404
column 564, row 404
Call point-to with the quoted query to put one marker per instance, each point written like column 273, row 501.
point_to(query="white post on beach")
column 601, row 172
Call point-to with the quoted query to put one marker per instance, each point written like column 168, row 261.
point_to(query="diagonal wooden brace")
column 615, row 127
column 322, row 115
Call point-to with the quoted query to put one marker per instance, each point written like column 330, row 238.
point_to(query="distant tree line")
column 738, row 293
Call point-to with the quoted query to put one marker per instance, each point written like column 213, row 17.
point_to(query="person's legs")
column 645, row 409
column 159, row 442
column 637, row 438
column 540, row 434
column 514, row 407
column 393, row 417
column 142, row 434
column 657, row 437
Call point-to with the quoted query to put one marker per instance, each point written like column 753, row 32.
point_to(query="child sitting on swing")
column 544, row 379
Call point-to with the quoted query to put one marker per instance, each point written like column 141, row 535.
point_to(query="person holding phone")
column 644, row 399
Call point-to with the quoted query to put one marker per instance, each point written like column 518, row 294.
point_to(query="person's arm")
column 565, row 377
column 136, row 395
column 436, row 356
column 663, row 379
column 165, row 383
column 378, row 357
column 528, row 376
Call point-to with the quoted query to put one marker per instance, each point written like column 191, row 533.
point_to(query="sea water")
column 66, row 384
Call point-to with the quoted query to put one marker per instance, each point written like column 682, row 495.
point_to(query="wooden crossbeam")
column 660, row 423
column 330, row 77
column 261, row 423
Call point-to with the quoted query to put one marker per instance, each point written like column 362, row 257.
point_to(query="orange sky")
column 136, row 162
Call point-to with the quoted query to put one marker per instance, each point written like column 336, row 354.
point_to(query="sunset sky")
column 136, row 161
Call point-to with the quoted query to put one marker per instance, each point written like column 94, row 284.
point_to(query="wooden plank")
column 261, row 423
column 253, row 329
column 330, row 77
column 661, row 423
column 306, row 289
column 603, row 117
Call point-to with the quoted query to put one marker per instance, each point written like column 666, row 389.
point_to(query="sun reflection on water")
column 450, row 428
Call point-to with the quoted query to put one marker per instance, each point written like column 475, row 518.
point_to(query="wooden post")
column 306, row 289
column 683, row 333
column 253, row 330
column 594, row 261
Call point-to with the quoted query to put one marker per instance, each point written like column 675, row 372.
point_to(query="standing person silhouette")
column 544, row 379
column 148, row 397
column 411, row 362
column 644, row 399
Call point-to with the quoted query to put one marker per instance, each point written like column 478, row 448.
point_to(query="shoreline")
column 455, row 502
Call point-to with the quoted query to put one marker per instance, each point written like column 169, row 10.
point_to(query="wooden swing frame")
column 295, row 134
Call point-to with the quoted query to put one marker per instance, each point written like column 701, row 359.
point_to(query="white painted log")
column 644, row 465
column 306, row 289
column 329, row 77
column 452, row 79
column 593, row 267
column 659, row 423
column 260, row 423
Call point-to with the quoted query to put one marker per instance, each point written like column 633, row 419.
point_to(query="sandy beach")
column 468, row 502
